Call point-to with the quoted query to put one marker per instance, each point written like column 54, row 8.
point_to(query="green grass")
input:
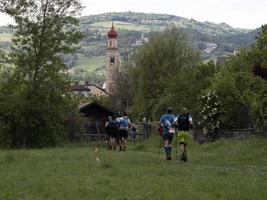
column 128, row 26
column 226, row 169
column 5, row 37
column 89, row 65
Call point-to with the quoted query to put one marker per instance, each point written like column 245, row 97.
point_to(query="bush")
column 210, row 113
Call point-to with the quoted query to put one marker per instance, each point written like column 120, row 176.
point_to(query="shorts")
column 123, row 133
column 109, row 134
column 114, row 134
column 183, row 137
column 167, row 137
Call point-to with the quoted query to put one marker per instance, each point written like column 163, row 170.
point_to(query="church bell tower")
column 113, row 60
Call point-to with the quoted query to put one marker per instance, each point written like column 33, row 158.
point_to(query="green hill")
column 132, row 25
column 225, row 169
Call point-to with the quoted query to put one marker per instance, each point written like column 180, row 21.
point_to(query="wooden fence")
column 240, row 134
column 96, row 132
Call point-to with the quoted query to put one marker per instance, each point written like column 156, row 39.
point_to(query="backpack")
column 125, row 122
column 183, row 122
column 114, row 125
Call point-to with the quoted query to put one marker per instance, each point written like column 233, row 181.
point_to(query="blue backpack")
column 125, row 122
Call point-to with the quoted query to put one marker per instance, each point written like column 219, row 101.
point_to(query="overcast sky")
column 237, row 13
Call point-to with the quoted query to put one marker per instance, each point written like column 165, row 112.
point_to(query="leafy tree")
column 238, row 88
column 36, row 96
column 122, row 99
column 162, row 70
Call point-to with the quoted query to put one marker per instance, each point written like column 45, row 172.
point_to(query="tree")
column 36, row 96
column 161, row 66
column 238, row 89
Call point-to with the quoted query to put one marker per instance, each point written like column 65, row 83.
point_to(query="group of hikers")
column 117, row 129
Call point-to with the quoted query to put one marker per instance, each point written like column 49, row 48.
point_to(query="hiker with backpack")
column 108, row 131
column 167, row 122
column 112, row 129
column 123, row 132
column 184, row 123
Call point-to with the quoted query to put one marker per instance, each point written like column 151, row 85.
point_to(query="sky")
column 237, row 13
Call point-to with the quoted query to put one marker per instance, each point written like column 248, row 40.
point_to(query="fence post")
column 144, row 131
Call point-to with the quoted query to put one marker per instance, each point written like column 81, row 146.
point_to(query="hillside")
column 213, row 40
column 225, row 169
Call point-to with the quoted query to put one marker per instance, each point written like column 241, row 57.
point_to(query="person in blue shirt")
column 125, row 124
column 167, row 122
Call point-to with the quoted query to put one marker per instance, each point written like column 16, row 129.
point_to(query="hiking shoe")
column 181, row 157
column 120, row 149
column 185, row 157
column 168, row 157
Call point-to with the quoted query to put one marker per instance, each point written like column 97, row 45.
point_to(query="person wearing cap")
column 184, row 122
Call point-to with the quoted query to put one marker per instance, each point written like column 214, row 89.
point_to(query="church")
column 113, row 62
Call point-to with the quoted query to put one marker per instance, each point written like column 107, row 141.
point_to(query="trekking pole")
column 176, row 144
column 160, row 144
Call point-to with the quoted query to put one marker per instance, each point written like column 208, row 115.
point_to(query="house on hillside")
column 210, row 47
column 89, row 89
column 143, row 40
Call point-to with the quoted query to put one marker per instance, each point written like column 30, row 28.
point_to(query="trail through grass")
column 226, row 169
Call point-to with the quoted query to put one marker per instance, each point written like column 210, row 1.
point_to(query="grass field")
column 89, row 65
column 226, row 169
column 5, row 37
column 128, row 26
